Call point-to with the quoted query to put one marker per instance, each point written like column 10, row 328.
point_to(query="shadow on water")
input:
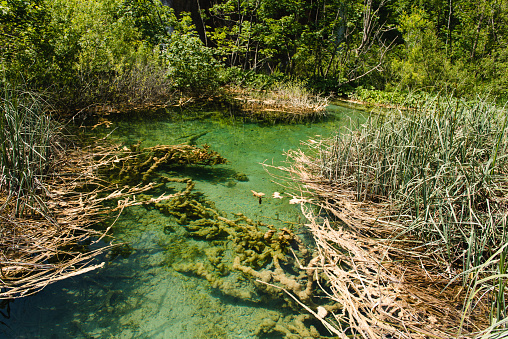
column 213, row 175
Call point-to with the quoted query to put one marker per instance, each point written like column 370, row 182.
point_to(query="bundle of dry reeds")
column 285, row 102
column 408, row 216
column 383, row 288
column 51, row 241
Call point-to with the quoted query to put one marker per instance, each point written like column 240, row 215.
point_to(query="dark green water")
column 141, row 295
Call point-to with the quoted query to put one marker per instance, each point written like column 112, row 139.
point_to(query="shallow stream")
column 140, row 294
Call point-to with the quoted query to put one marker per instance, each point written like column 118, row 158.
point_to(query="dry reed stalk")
column 47, row 246
column 289, row 104
column 382, row 289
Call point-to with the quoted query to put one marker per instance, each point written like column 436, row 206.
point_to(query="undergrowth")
column 441, row 170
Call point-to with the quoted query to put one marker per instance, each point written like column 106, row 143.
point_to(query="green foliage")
column 23, row 30
column 458, row 46
column 28, row 139
column 388, row 97
column 151, row 18
column 74, row 48
column 111, row 50
column 297, row 37
column 115, row 51
column 423, row 62
column 442, row 167
column 191, row 66
column 235, row 76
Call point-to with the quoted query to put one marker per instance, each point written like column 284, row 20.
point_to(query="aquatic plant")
column 441, row 168
column 28, row 142
column 413, row 199
column 239, row 250
column 136, row 164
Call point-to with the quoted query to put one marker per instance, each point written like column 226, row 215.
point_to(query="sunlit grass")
column 27, row 136
column 441, row 171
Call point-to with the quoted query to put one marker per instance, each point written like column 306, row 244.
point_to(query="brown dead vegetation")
column 288, row 103
column 382, row 285
column 55, row 241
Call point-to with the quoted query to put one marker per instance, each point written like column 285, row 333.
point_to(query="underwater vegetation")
column 138, row 165
column 240, row 258
column 244, row 259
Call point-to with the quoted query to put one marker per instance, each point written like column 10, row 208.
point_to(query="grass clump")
column 280, row 101
column 393, row 98
column 28, row 138
column 426, row 193
column 443, row 168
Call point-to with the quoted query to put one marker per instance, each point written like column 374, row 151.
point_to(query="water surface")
column 140, row 294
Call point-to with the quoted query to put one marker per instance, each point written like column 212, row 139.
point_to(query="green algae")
column 135, row 164
column 239, row 252
column 231, row 251
column 194, row 261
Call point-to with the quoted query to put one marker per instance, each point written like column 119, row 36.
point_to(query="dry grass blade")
column 45, row 247
column 400, row 208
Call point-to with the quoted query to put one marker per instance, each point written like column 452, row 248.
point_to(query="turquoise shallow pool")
column 142, row 295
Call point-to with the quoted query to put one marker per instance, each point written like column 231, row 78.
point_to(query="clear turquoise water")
column 141, row 295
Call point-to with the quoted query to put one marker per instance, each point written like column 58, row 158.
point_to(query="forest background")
column 81, row 53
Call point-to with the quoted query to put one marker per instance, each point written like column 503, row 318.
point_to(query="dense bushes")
column 190, row 65
column 120, row 50
column 103, row 51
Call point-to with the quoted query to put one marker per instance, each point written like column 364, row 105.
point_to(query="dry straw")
column 289, row 102
column 409, row 219
column 42, row 248
column 51, row 195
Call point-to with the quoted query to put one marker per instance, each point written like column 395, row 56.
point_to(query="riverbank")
column 386, row 277
column 175, row 277
column 413, row 206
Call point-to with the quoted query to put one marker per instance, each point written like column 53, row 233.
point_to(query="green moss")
column 240, row 176
column 134, row 165
column 123, row 250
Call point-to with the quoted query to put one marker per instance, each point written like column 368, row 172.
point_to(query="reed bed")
column 40, row 249
column 411, row 226
column 50, row 196
column 289, row 102
column 442, row 170
column 28, row 140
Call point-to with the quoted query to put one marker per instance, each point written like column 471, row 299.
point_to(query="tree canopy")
column 455, row 45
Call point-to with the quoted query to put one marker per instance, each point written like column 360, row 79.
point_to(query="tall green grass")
column 27, row 136
column 442, row 171
column 442, row 167
column 488, row 281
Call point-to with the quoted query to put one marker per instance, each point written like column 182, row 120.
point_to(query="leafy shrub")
column 191, row 65
column 84, row 51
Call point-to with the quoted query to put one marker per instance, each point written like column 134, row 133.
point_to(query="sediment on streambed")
column 245, row 259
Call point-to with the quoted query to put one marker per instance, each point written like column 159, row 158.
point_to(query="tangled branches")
column 53, row 243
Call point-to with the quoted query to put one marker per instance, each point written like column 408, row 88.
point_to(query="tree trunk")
column 193, row 7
